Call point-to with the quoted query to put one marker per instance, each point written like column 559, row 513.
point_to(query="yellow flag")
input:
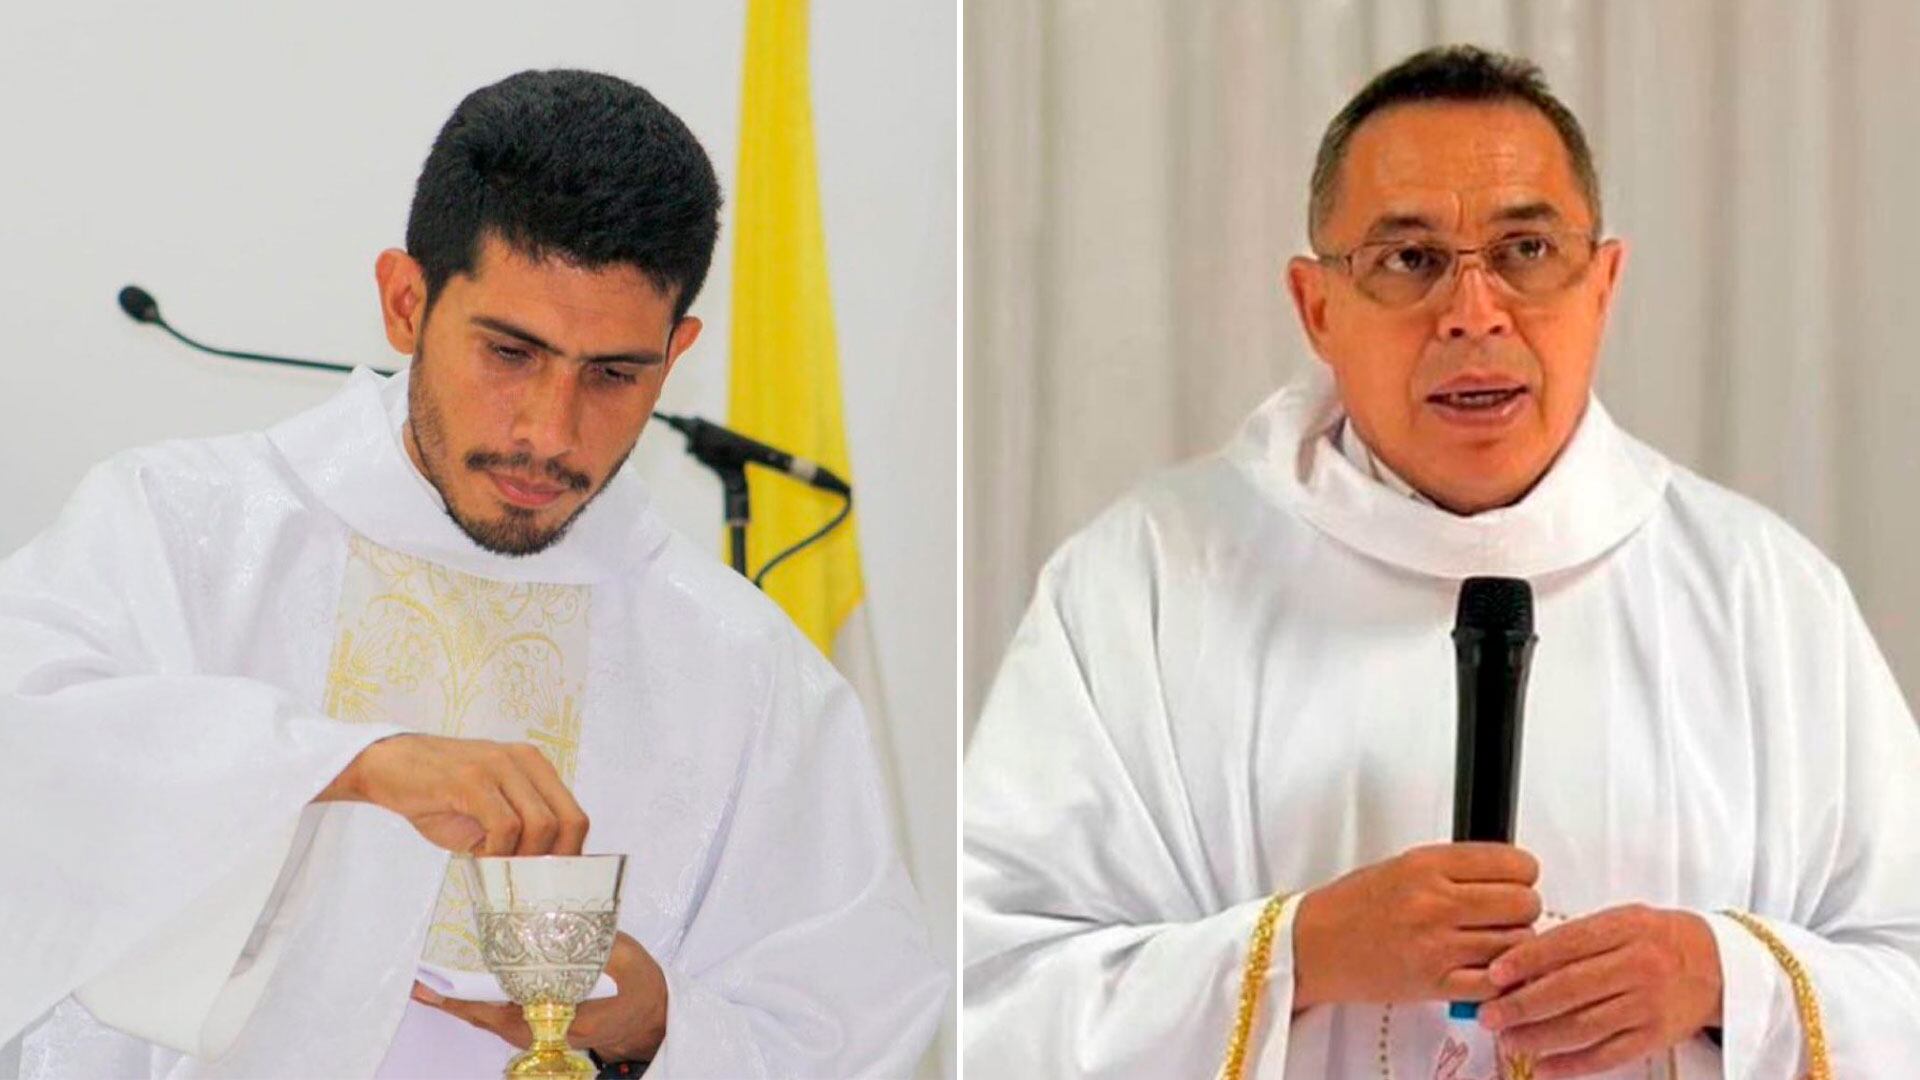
column 784, row 374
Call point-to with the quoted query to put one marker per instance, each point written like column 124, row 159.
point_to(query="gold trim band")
column 1253, row 980
column 1803, row 996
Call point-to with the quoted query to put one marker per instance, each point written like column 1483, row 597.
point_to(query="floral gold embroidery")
column 443, row 652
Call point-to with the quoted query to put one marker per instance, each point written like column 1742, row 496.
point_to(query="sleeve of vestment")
column 146, row 808
column 807, row 952
column 1095, row 944
column 1837, row 883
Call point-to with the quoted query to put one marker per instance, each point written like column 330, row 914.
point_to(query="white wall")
column 246, row 161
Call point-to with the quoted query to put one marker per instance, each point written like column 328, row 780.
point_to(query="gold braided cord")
column 1253, row 980
column 1803, row 996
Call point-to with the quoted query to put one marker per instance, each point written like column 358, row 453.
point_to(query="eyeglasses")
column 1403, row 273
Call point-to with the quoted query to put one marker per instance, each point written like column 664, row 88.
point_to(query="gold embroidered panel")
column 447, row 653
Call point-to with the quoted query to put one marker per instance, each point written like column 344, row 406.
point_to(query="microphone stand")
column 733, row 487
column 724, row 456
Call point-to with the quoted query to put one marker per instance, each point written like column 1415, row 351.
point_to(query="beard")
column 516, row 531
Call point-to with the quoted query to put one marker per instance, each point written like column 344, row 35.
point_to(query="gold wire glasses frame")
column 1405, row 272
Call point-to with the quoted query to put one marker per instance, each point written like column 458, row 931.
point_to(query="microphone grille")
column 1495, row 605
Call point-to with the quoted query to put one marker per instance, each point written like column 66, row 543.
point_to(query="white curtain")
column 1136, row 177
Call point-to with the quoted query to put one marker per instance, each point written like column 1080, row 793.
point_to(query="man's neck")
column 1346, row 438
column 1355, row 449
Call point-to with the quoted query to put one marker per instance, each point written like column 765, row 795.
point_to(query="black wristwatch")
column 617, row 1070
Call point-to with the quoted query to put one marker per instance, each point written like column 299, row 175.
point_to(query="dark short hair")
column 1449, row 73
column 570, row 164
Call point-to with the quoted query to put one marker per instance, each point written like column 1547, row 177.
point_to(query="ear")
column 1611, row 260
column 1307, row 284
column 685, row 333
column 403, row 299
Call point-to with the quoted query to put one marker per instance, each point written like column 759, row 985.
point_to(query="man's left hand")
column 626, row 1027
column 1605, row 990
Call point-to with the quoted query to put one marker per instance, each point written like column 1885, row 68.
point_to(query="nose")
column 546, row 422
column 1475, row 308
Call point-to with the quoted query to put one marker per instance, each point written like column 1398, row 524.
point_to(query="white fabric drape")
column 1136, row 177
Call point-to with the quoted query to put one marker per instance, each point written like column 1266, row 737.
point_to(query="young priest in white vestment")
column 254, row 689
column 1218, row 757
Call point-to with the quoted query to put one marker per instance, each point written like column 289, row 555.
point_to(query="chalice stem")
column 549, row 1056
column 549, row 1021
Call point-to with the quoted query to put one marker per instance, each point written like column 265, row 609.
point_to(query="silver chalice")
column 547, row 925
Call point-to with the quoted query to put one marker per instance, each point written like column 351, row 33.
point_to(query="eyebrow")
column 1393, row 224
column 1532, row 211
column 528, row 337
column 1388, row 224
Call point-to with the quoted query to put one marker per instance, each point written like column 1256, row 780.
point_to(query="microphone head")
column 1495, row 605
column 139, row 304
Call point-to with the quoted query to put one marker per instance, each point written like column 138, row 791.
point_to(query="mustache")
column 1486, row 351
column 488, row 460
column 1494, row 358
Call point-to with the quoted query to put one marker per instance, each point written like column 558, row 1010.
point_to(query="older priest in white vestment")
column 251, row 687
column 1205, row 800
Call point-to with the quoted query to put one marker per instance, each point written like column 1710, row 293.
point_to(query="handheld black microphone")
column 140, row 306
column 720, row 448
column 1492, row 645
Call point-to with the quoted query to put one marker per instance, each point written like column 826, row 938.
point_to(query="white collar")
column 1603, row 487
column 349, row 451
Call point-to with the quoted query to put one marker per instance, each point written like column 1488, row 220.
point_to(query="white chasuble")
column 214, row 628
column 1238, row 682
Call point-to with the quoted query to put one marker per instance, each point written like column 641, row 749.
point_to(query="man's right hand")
column 1421, row 926
column 467, row 795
